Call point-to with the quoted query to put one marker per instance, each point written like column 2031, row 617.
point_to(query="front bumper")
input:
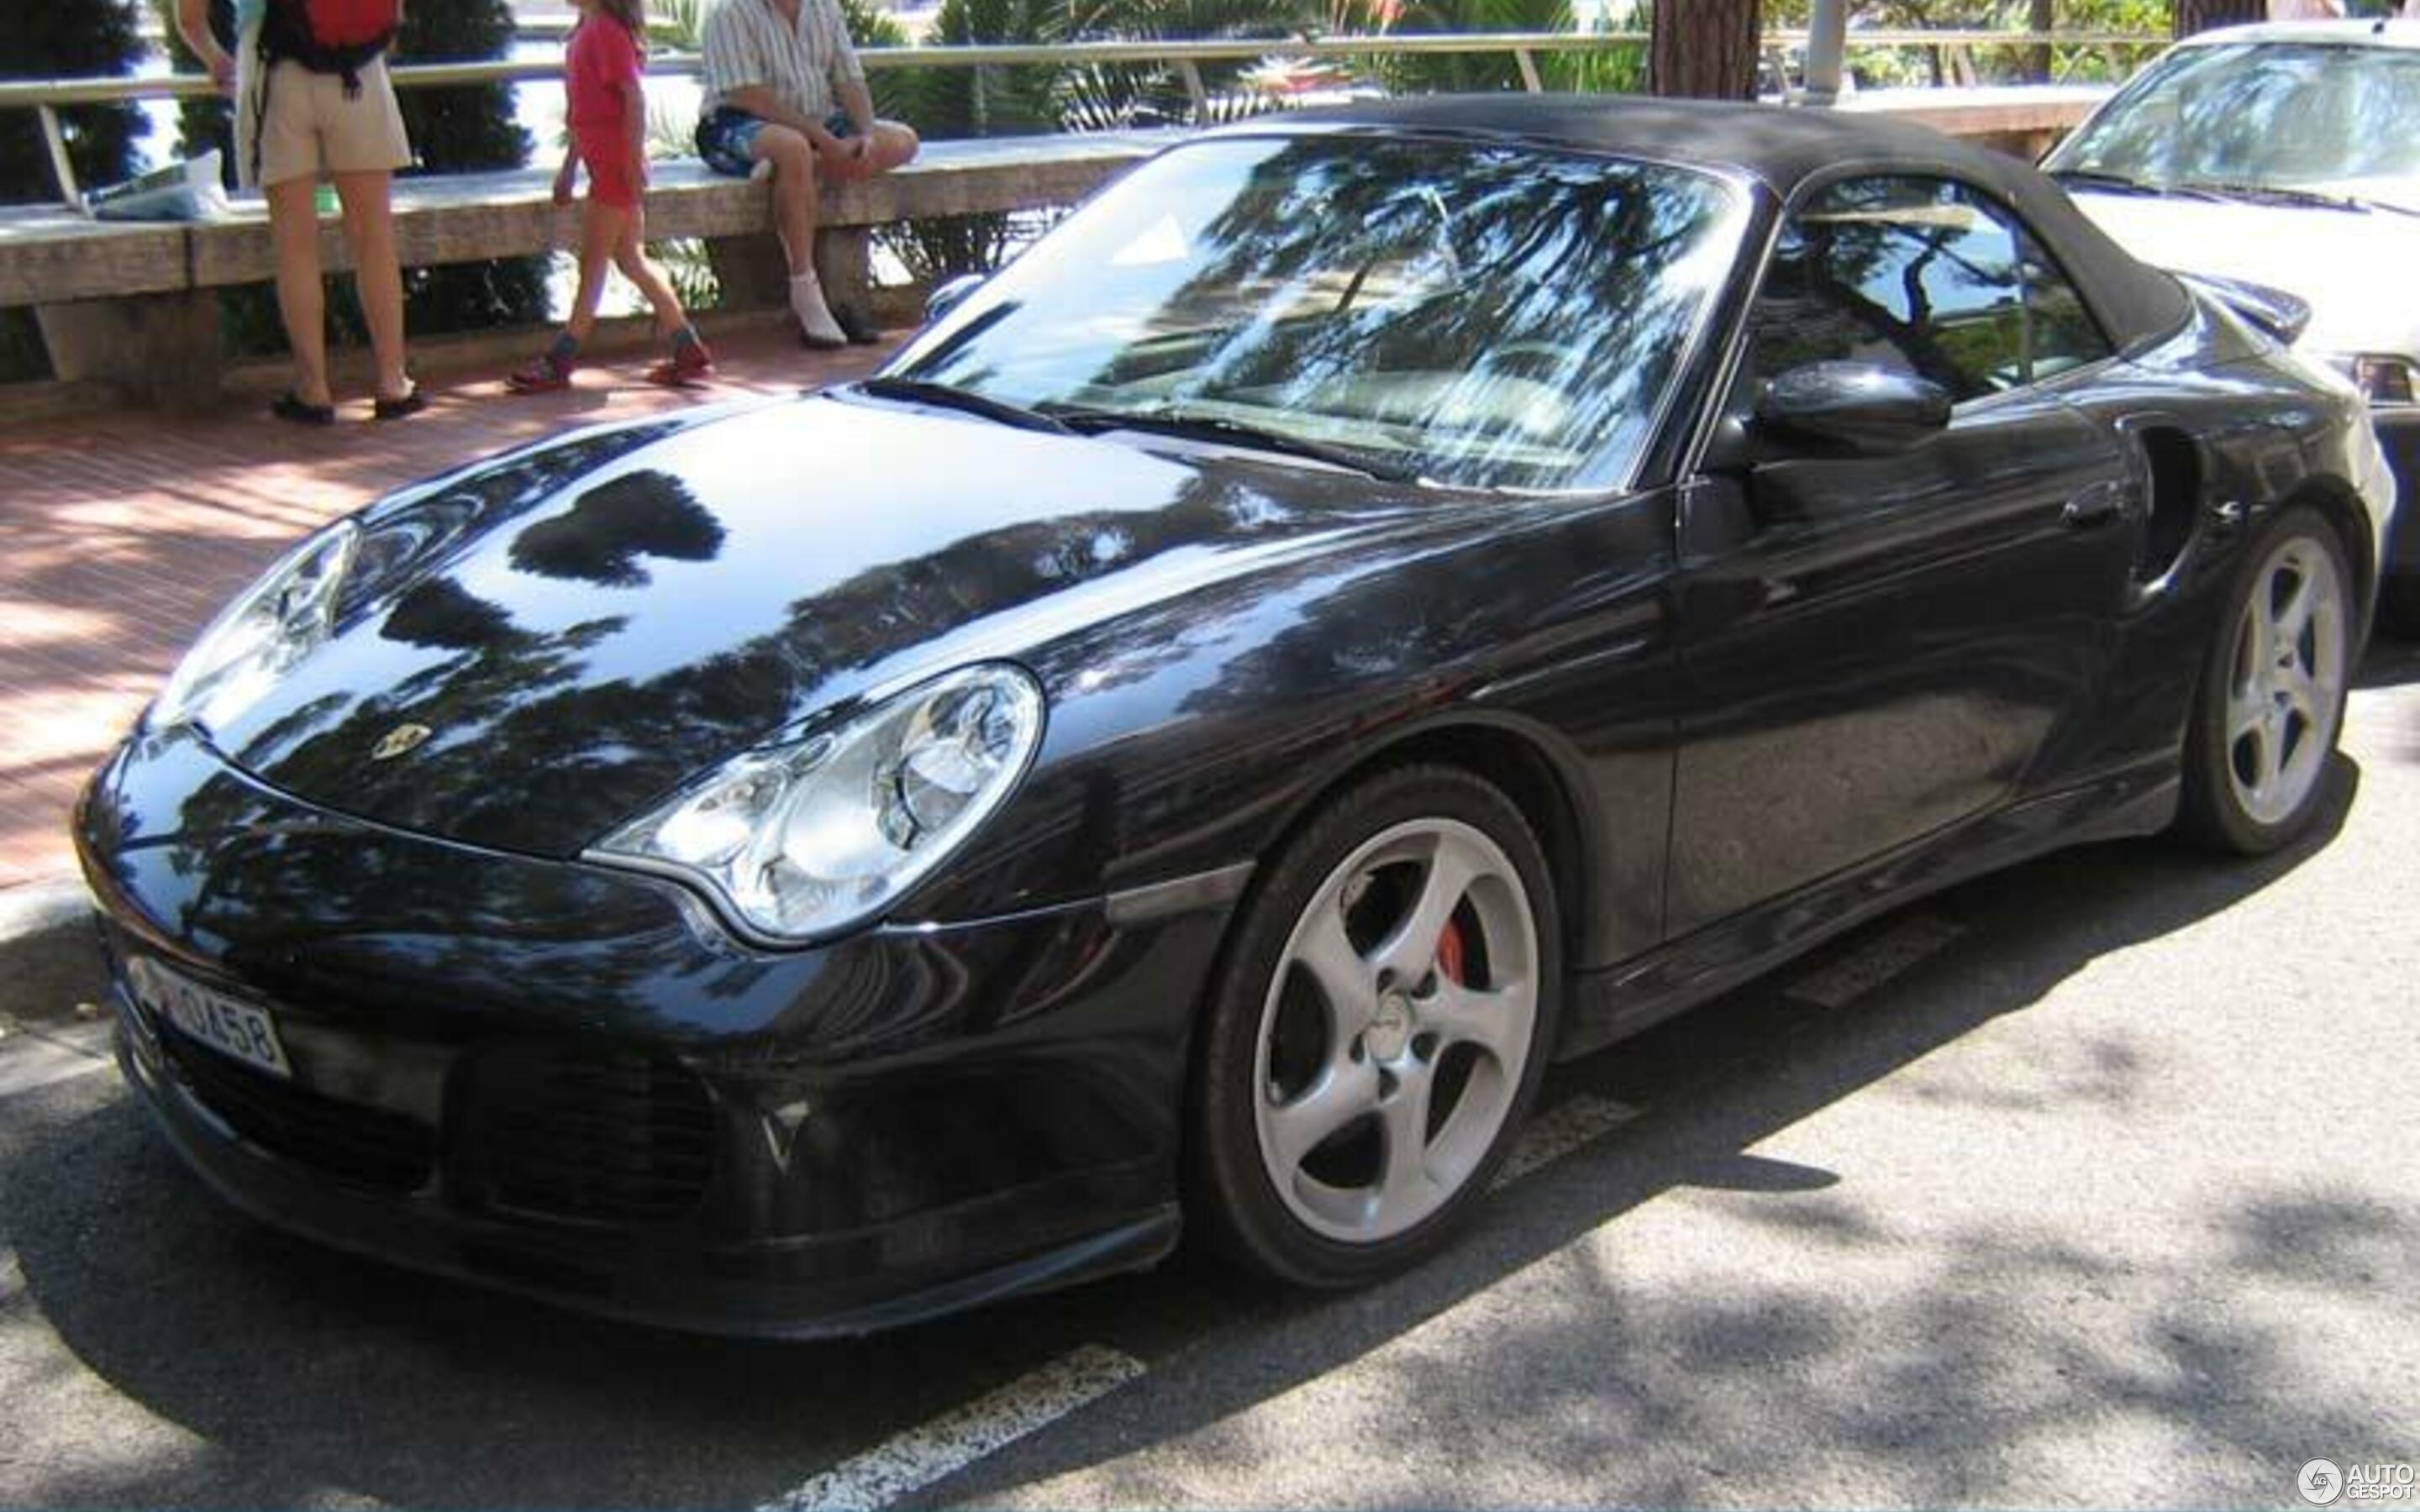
column 571, row 1083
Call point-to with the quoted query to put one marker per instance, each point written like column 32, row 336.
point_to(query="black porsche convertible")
column 1376, row 601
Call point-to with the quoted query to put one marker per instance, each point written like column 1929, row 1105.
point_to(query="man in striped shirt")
column 784, row 89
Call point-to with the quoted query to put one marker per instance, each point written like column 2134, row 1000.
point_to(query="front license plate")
column 235, row 1029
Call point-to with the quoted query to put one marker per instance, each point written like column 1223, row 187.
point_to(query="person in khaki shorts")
column 293, row 126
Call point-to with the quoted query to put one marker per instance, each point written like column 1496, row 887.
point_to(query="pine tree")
column 62, row 41
column 81, row 41
column 466, row 130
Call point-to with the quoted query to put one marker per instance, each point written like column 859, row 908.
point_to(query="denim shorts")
column 726, row 138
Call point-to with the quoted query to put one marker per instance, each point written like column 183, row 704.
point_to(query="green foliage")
column 679, row 24
column 466, row 130
column 469, row 128
column 691, row 272
column 1886, row 66
column 1452, row 72
column 1114, row 95
column 23, row 358
column 45, row 39
column 62, row 41
column 945, row 104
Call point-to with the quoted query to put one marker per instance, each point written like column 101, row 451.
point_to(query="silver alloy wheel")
column 1366, row 987
column 2285, row 680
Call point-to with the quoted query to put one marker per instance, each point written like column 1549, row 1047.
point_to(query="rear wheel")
column 1378, row 1031
column 2273, row 692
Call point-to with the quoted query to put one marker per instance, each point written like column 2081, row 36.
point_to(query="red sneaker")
column 542, row 373
column 690, row 366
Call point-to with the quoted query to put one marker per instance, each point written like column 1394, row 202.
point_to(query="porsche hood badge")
column 395, row 741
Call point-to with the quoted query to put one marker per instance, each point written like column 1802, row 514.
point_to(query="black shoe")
column 291, row 409
column 410, row 404
column 857, row 325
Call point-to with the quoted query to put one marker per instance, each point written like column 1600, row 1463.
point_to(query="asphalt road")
column 2094, row 1183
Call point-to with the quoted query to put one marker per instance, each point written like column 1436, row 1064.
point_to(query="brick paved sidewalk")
column 122, row 535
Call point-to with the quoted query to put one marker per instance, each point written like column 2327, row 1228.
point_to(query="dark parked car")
column 1376, row 601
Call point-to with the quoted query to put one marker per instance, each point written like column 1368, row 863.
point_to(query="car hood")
column 580, row 627
column 2354, row 269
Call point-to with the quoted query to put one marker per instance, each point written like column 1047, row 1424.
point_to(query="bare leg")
column 630, row 255
column 294, row 226
column 795, row 192
column 794, row 189
column 603, row 228
column 369, row 229
column 895, row 145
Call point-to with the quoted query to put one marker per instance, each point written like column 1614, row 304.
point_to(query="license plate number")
column 211, row 1019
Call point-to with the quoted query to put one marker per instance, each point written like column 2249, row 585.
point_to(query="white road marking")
column 33, row 1057
column 1840, row 983
column 1560, row 1131
column 909, row 1461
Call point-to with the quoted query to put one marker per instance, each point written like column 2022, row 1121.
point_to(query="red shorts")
column 606, row 153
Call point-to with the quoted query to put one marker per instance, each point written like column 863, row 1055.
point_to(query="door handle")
column 2097, row 505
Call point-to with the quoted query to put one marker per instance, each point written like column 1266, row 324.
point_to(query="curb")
column 50, row 960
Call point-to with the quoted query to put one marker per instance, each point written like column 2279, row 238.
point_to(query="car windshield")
column 1476, row 315
column 2313, row 117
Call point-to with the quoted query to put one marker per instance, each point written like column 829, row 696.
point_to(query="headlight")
column 274, row 624
column 2383, row 377
column 807, row 840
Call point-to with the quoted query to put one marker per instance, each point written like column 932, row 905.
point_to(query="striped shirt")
column 748, row 42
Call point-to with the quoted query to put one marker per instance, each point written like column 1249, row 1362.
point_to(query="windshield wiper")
column 946, row 397
column 2095, row 178
column 2282, row 194
column 1169, row 420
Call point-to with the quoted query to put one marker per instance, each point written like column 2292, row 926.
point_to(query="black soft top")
column 1783, row 149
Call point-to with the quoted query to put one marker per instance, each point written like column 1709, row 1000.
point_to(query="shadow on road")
column 1726, row 1077
column 299, row 1369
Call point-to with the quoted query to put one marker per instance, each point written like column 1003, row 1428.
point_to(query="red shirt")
column 604, row 56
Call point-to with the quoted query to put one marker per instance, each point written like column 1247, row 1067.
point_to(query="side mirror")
column 949, row 293
column 1857, row 406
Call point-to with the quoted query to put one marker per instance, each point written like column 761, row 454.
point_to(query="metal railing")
column 46, row 97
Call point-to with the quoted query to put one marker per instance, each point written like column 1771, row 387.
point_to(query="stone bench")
column 135, row 303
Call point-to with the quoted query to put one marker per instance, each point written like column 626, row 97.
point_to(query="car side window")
column 1923, row 275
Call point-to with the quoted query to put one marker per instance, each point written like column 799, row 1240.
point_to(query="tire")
column 2270, row 701
column 1422, row 898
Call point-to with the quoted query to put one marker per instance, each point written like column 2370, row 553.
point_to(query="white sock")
column 815, row 317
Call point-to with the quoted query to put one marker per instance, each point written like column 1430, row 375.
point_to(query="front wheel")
column 2273, row 692
column 1378, row 1030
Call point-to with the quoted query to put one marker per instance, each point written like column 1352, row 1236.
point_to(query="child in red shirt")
column 607, row 116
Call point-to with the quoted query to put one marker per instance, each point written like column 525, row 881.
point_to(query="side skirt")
column 1618, row 1001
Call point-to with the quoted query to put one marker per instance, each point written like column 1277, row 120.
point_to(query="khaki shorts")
column 306, row 127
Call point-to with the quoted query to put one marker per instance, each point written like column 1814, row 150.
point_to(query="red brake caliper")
column 1449, row 958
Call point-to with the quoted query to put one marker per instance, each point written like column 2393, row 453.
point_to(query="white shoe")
column 817, row 327
column 821, row 332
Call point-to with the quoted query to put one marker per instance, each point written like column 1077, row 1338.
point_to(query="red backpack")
column 329, row 36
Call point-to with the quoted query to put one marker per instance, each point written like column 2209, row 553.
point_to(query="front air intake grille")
column 591, row 1137
column 360, row 1146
